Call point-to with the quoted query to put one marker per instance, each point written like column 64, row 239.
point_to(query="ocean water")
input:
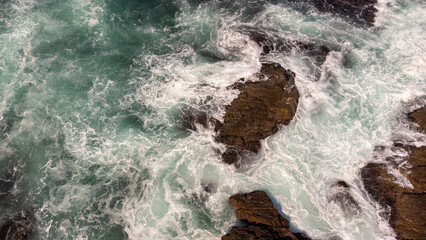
column 91, row 94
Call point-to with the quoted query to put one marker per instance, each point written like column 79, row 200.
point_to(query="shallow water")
column 91, row 93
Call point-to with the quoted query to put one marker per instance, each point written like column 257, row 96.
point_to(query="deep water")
column 91, row 94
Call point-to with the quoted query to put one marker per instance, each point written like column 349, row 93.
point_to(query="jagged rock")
column 257, row 208
column 378, row 183
column 407, row 206
column 19, row 228
column 359, row 10
column 419, row 117
column 258, row 110
column 263, row 220
column 230, row 156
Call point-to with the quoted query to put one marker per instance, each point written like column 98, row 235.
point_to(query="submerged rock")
column 258, row 111
column 407, row 205
column 312, row 54
column 7, row 182
column 189, row 118
column 262, row 40
column 340, row 194
column 208, row 187
column 263, row 220
column 19, row 228
column 359, row 10
column 268, row 44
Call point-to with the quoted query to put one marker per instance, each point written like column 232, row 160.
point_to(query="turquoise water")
column 91, row 92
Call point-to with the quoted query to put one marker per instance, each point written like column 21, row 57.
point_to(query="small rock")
column 419, row 117
column 230, row 156
column 263, row 220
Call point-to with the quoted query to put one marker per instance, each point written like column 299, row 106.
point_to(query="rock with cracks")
column 258, row 111
column 263, row 220
column 407, row 205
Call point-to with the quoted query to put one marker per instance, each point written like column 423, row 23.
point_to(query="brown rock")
column 230, row 156
column 378, row 183
column 417, row 173
column 257, row 208
column 259, row 109
column 407, row 212
column 260, row 233
column 407, row 206
column 419, row 117
column 263, row 220
column 359, row 10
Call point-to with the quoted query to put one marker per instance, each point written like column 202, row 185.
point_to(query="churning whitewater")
column 92, row 94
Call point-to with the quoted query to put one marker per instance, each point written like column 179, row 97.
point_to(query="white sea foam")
column 122, row 162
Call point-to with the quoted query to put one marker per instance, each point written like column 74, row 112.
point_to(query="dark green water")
column 91, row 91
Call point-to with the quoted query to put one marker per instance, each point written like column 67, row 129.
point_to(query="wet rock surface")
column 19, row 228
column 258, row 111
column 263, row 220
column 359, row 10
column 419, row 117
column 407, row 205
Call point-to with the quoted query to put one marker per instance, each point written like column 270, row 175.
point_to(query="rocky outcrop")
column 407, row 205
column 359, row 10
column 19, row 228
column 258, row 111
column 419, row 117
column 263, row 220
